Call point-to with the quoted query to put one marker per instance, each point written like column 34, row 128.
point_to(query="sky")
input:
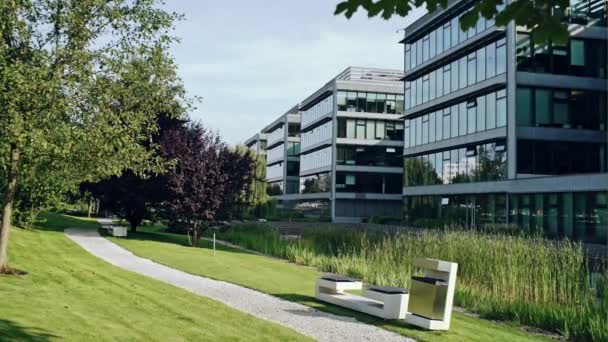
column 251, row 61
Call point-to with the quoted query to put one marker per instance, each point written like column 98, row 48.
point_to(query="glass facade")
column 315, row 183
column 475, row 163
column 477, row 66
column 587, row 12
column 575, row 215
column 293, row 168
column 370, row 129
column 293, row 187
column 274, row 188
column 478, row 114
column 275, row 153
column 316, row 159
column 578, row 57
column 444, row 36
column 316, row 135
column 276, row 135
column 293, row 129
column 293, row 149
column 560, row 157
column 369, row 155
column 274, row 171
column 322, row 107
column 360, row 101
column 560, row 108
column 378, row 183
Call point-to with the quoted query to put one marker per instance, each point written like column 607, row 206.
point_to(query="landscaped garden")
column 358, row 255
column 533, row 281
column 68, row 294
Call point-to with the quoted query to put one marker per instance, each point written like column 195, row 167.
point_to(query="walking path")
column 303, row 319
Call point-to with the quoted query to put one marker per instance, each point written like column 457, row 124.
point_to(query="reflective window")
column 316, row 159
column 466, row 71
column 369, row 155
column 559, row 108
column 475, row 115
column 381, row 183
column 579, row 57
column 475, row 163
column 315, row 183
column 560, row 157
column 370, row 102
column 370, row 129
column 322, row 107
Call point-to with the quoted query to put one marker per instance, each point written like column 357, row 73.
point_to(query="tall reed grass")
column 501, row 276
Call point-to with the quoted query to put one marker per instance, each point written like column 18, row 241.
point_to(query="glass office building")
column 338, row 154
column 502, row 129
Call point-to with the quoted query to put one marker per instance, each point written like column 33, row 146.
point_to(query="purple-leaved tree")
column 195, row 186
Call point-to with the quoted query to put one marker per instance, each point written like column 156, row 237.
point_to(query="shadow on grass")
column 58, row 222
column 340, row 311
column 11, row 331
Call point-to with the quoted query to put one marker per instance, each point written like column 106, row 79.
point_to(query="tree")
column 239, row 166
column 79, row 84
column 545, row 18
column 196, row 184
column 133, row 196
column 256, row 197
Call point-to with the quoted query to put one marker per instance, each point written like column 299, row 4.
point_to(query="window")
column 501, row 108
column 446, row 123
column 371, row 103
column 481, row 63
column 524, row 107
column 454, row 76
column 577, row 52
column 491, row 60
column 446, row 36
column 407, row 134
column 501, row 56
column 425, row 48
column 462, row 72
column 471, row 69
column 350, row 129
column 433, row 85
column 454, row 29
column 440, row 42
column 371, row 131
column 481, row 118
column 462, row 118
column 471, row 116
column 542, row 105
column 446, row 80
column 491, row 111
column 425, row 88
column 381, row 103
column 454, row 121
column 439, row 125
column 433, row 45
column 431, row 127
column 425, row 129
column 418, row 122
column 380, row 130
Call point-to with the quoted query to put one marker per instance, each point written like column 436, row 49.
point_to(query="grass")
column 295, row 283
column 68, row 294
column 501, row 276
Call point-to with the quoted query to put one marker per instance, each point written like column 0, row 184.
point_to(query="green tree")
column 80, row 82
column 256, row 197
column 543, row 17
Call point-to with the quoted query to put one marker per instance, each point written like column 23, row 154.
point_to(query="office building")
column 500, row 129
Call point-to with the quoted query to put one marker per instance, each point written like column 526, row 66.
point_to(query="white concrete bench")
column 384, row 302
column 117, row 231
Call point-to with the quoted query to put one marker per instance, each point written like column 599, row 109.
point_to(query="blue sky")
column 253, row 60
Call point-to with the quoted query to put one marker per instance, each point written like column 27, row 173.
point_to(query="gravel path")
column 303, row 319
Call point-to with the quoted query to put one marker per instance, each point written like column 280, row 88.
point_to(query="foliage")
column 196, row 185
column 80, row 82
column 239, row 165
column 529, row 280
column 545, row 18
column 256, row 197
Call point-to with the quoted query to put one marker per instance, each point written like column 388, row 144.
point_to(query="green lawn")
column 295, row 283
column 68, row 294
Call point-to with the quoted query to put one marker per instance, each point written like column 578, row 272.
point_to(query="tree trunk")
column 90, row 207
column 7, row 209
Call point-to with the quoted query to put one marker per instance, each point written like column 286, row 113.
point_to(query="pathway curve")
column 303, row 319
